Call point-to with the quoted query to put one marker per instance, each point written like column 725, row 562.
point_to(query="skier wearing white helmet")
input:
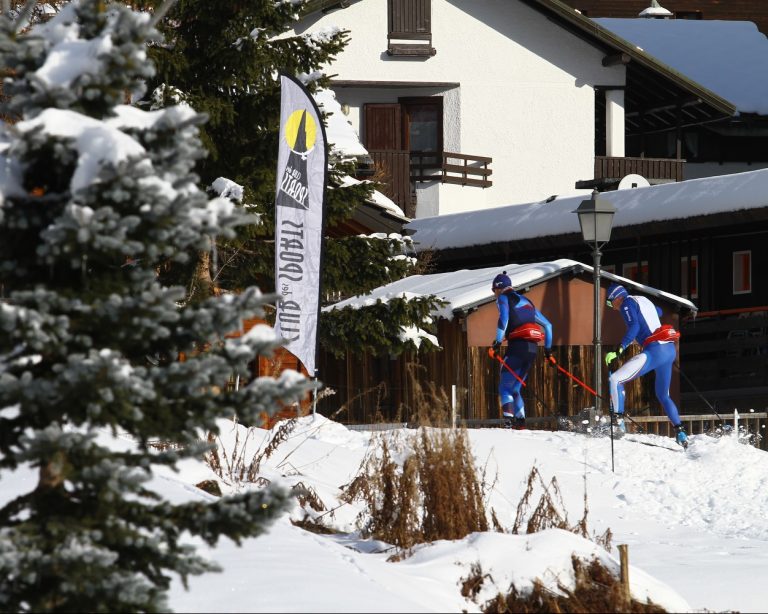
column 643, row 326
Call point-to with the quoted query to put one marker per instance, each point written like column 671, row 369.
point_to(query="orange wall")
column 568, row 304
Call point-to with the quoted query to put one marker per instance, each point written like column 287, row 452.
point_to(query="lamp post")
column 596, row 218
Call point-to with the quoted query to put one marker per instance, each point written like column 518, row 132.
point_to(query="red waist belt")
column 527, row 332
column 663, row 333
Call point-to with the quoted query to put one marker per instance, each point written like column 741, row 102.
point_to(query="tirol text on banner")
column 301, row 179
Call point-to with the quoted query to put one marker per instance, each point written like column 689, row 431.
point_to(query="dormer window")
column 410, row 28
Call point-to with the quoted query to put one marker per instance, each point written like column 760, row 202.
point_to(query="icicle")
column 736, row 422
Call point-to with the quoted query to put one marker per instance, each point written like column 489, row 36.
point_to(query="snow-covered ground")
column 695, row 523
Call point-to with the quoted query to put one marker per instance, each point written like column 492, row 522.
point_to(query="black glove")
column 496, row 345
column 549, row 358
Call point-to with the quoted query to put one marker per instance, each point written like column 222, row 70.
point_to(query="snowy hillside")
column 695, row 524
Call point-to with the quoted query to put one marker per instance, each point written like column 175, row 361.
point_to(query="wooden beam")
column 616, row 58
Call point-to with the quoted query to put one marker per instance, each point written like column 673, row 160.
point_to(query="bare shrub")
column 471, row 585
column 308, row 496
column 281, row 435
column 550, row 512
column 432, row 493
column 596, row 589
column 453, row 505
column 229, row 465
column 390, row 495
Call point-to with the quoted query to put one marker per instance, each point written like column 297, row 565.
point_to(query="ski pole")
column 610, row 424
column 574, row 378
column 701, row 396
column 601, row 397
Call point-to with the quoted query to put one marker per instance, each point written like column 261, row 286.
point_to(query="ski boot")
column 509, row 421
column 617, row 425
column 519, row 424
column 681, row 437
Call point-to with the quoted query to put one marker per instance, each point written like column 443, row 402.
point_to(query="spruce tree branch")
column 26, row 13
column 160, row 12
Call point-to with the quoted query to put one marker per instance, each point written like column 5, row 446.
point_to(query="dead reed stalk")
column 596, row 589
column 432, row 493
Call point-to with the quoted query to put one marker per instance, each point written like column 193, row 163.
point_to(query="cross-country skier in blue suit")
column 643, row 326
column 520, row 324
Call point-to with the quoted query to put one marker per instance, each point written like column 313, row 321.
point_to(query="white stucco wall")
column 525, row 95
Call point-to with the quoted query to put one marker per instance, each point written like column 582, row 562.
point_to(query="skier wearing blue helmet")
column 520, row 324
column 643, row 326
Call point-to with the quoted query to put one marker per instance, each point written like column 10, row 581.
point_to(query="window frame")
column 736, row 254
column 684, row 276
column 642, row 270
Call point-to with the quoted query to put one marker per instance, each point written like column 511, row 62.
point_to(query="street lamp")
column 596, row 218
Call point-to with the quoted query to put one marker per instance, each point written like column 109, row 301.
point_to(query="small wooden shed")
column 370, row 388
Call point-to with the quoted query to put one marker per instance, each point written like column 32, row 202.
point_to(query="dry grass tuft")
column 420, row 486
column 308, row 496
column 550, row 513
column 471, row 585
column 283, row 432
column 596, row 589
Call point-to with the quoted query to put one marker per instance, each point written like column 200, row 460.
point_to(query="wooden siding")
column 374, row 389
column 741, row 10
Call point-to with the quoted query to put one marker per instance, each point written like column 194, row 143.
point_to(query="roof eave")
column 579, row 269
column 607, row 37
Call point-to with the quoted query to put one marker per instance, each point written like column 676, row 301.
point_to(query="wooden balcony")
column 447, row 167
column 609, row 171
column 400, row 170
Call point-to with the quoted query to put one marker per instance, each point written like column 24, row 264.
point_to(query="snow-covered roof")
column 670, row 201
column 469, row 288
column 729, row 58
column 341, row 135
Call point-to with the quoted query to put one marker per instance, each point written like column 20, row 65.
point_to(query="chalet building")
column 736, row 10
column 465, row 105
column 702, row 239
column 730, row 58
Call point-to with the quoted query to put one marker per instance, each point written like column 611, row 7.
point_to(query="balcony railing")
column 609, row 171
column 398, row 170
column 659, row 169
column 447, row 167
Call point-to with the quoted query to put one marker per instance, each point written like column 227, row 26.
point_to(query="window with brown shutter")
column 410, row 27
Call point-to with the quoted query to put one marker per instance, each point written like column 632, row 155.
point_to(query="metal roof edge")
column 578, row 268
column 575, row 267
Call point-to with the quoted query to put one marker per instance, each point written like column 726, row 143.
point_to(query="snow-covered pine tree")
column 93, row 193
column 225, row 62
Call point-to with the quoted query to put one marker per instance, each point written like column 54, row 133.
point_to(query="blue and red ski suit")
column 515, row 311
column 642, row 319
